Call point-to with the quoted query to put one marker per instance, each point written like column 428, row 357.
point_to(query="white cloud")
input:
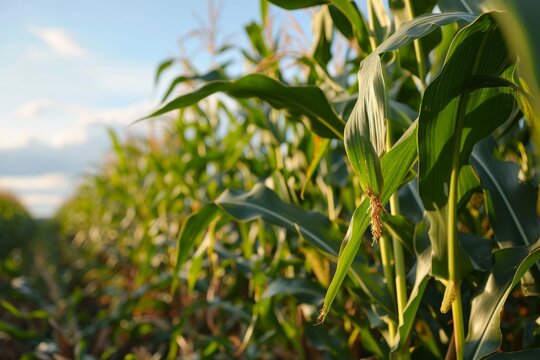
column 10, row 142
column 76, row 136
column 32, row 108
column 59, row 40
column 49, row 181
column 124, row 115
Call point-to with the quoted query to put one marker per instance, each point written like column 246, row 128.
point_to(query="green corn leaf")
column 309, row 101
column 315, row 228
column 256, row 36
column 356, row 19
column 402, row 229
column 452, row 110
column 395, row 167
column 379, row 21
column 362, row 154
column 423, row 269
column 520, row 26
column 161, row 68
column 321, row 145
column 365, row 132
column 212, row 75
column 510, row 264
column 322, row 36
column 468, row 184
column 297, row 4
column 347, row 9
column 193, row 229
column 262, row 202
column 512, row 210
column 341, row 22
column 303, row 289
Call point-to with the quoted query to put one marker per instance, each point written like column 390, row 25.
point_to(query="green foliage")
column 244, row 222
column 16, row 225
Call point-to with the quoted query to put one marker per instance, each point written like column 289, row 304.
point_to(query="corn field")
column 370, row 194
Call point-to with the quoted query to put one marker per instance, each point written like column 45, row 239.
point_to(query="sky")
column 71, row 69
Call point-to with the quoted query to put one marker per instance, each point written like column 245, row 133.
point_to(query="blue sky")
column 70, row 69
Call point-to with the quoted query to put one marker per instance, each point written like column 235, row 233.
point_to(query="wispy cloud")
column 32, row 108
column 123, row 115
column 51, row 181
column 59, row 40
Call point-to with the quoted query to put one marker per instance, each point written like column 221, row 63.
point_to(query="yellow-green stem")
column 457, row 316
column 452, row 241
column 418, row 51
column 386, row 259
column 399, row 259
column 371, row 23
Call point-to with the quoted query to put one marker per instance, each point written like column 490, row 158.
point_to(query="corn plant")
column 439, row 107
column 371, row 194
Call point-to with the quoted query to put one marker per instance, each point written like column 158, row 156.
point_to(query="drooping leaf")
column 212, row 75
column 341, row 22
column 255, row 34
column 261, row 202
column 313, row 227
column 161, row 68
column 303, row 100
column 297, row 4
column 307, row 291
column 510, row 264
column 322, row 36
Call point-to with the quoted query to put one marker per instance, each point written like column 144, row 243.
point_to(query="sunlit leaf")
column 305, row 100
column 449, row 120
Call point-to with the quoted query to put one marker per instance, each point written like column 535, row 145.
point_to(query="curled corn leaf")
column 365, row 135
